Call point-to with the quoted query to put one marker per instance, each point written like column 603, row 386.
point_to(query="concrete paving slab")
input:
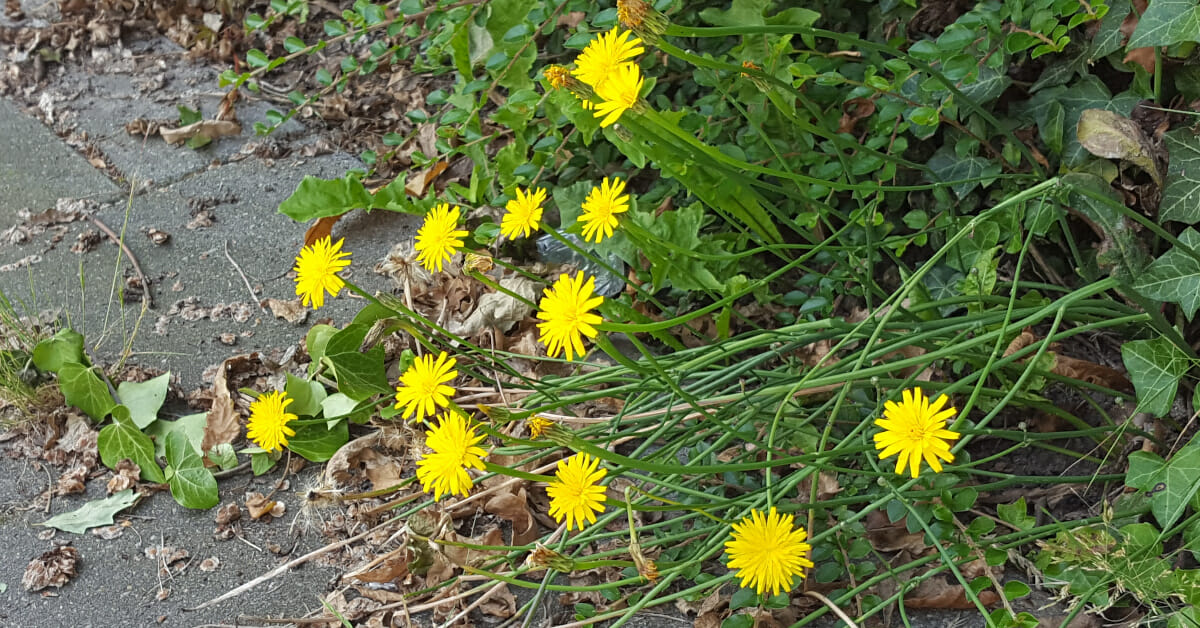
column 192, row 272
column 37, row 168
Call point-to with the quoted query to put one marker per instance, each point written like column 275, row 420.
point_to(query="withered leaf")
column 52, row 569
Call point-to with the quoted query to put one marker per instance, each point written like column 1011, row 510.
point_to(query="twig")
column 833, row 607
column 253, row 295
column 147, row 295
column 234, row 471
column 284, row 568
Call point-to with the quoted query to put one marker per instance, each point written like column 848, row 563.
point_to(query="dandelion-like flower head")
column 523, row 214
column 267, row 425
column 316, row 269
column 619, row 93
column 916, row 429
column 423, row 387
column 455, row 449
column 601, row 207
column 566, row 313
column 604, row 54
column 576, row 494
column 439, row 237
column 767, row 552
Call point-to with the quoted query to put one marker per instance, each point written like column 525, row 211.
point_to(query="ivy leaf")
column 318, row 198
column 144, row 399
column 1155, row 367
column 92, row 514
column 1170, row 484
column 359, row 374
column 946, row 166
column 122, row 439
column 1175, row 276
column 191, row 426
column 1166, row 22
column 1181, row 196
column 306, row 396
column 1122, row 251
column 318, row 443
column 192, row 485
column 82, row 388
column 64, row 347
column 1087, row 93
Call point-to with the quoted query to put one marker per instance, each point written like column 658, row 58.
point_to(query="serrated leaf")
column 318, row 443
column 1181, row 196
column 192, row 485
column 1155, row 368
column 1175, row 276
column 82, row 388
column 144, row 398
column 64, row 347
column 92, row 514
column 317, row 198
column 1170, row 484
column 1166, row 22
column 359, row 374
column 122, row 439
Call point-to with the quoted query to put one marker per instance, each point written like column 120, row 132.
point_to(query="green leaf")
column 1169, row 484
column 92, row 514
column 1181, row 196
column 82, row 388
column 1086, row 93
column 1016, row 513
column 122, row 439
column 191, row 426
column 256, row 58
column 188, row 116
column 1123, row 252
column 262, row 462
column 743, row 598
column 144, row 399
column 318, row 198
column 64, row 347
column 1166, row 22
column 337, row 405
column 1155, row 367
column 306, row 396
column 317, row 443
column 1014, row 589
column 359, row 375
column 192, row 485
column 223, row 456
column 1175, row 276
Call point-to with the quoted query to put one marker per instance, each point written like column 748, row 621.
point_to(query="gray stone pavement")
column 193, row 272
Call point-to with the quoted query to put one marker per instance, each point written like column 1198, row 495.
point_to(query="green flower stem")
column 515, row 473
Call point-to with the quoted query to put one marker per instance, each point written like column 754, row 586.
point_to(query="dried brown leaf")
column 221, row 425
column 52, row 569
column 936, row 592
column 322, row 228
column 1024, row 339
column 211, row 129
column 258, row 505
column 292, row 311
column 886, row 536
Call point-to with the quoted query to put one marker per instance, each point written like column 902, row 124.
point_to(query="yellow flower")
column 538, row 425
column 566, row 309
column 423, row 386
column 316, row 269
column 601, row 207
column 439, row 237
column 267, row 425
column 575, row 494
column 523, row 213
column 619, row 93
column 604, row 54
column 768, row 552
column 454, row 444
column 915, row 429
